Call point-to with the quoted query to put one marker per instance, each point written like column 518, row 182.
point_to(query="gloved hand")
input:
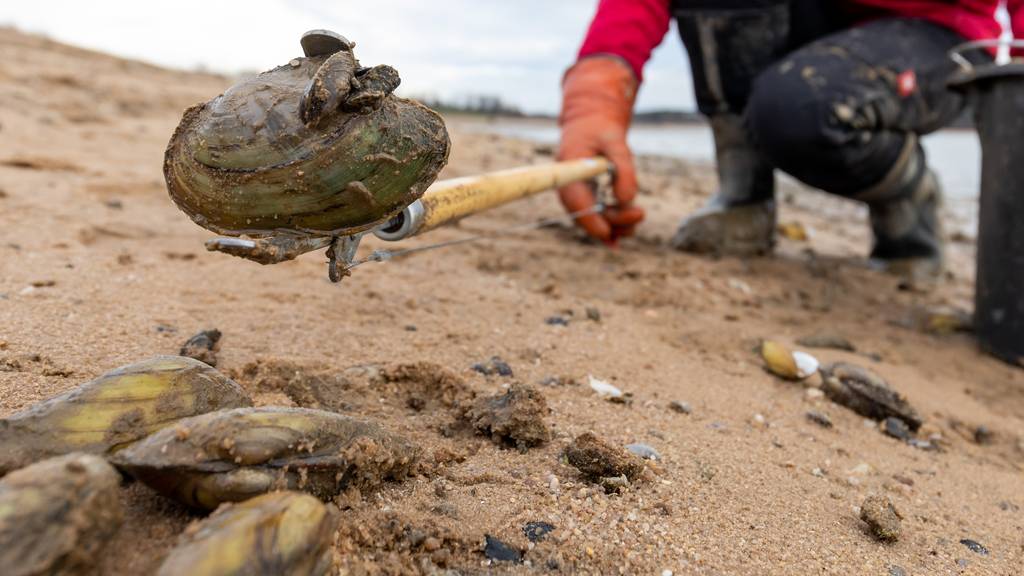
column 597, row 105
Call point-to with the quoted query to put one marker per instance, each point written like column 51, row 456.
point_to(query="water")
column 955, row 155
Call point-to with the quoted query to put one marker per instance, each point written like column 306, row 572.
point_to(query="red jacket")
column 632, row 29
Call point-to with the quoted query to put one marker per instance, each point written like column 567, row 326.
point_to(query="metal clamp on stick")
column 448, row 201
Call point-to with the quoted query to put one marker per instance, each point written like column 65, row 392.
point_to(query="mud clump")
column 234, row 455
column 600, row 462
column 515, row 417
column 116, row 409
column 203, row 347
column 882, row 518
column 867, row 394
column 56, row 516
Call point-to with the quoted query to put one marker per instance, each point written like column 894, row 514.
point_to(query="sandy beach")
column 99, row 269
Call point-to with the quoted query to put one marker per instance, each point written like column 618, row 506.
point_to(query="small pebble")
column 896, row 428
column 895, row 570
column 681, row 407
column 923, row 445
column 819, row 418
column 495, row 549
column 537, row 531
column 974, row 546
column 982, row 435
column 553, row 485
column 494, row 366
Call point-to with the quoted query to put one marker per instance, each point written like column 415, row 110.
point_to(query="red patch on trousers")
column 906, row 83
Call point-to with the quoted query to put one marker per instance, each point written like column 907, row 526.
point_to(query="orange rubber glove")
column 597, row 106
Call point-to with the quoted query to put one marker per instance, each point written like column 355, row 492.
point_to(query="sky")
column 515, row 49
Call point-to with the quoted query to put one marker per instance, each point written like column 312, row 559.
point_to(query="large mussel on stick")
column 116, row 409
column 278, row 534
column 233, row 455
column 317, row 147
column 56, row 515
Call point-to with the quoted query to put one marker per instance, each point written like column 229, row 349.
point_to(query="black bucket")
column 997, row 94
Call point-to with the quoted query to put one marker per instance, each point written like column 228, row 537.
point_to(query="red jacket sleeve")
column 630, row 29
column 1015, row 8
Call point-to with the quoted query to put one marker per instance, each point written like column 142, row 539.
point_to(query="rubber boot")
column 729, row 44
column 740, row 219
column 905, row 219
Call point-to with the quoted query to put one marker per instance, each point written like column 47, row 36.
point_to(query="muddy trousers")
column 839, row 112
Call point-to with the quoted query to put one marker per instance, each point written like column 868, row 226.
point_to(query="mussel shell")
column 245, row 162
column 867, row 394
column 56, row 515
column 281, row 533
column 233, row 455
column 116, row 409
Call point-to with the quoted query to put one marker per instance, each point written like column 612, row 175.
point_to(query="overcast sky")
column 517, row 49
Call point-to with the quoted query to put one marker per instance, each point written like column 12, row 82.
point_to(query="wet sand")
column 99, row 269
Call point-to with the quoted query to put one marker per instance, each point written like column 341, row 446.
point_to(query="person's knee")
column 788, row 118
column 808, row 125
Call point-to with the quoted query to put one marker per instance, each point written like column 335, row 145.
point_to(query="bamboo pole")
column 447, row 201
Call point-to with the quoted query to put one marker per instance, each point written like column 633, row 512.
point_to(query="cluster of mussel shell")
column 187, row 431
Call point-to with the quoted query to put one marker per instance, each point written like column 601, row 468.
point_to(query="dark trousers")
column 837, row 112
column 831, row 103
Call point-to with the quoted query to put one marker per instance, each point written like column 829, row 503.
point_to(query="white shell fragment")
column 644, row 451
column 603, row 389
column 806, row 365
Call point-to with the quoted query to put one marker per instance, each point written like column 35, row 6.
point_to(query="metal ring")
column 404, row 224
column 956, row 54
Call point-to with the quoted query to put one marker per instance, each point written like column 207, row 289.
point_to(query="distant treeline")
column 490, row 105
column 479, row 104
column 494, row 106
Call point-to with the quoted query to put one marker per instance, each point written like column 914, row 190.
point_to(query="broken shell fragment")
column 233, row 455
column 805, row 364
column 57, row 515
column 867, row 394
column 281, row 533
column 116, row 409
column 319, row 146
column 604, row 389
column 783, row 362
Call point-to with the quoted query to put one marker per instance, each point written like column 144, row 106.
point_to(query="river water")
column 954, row 154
